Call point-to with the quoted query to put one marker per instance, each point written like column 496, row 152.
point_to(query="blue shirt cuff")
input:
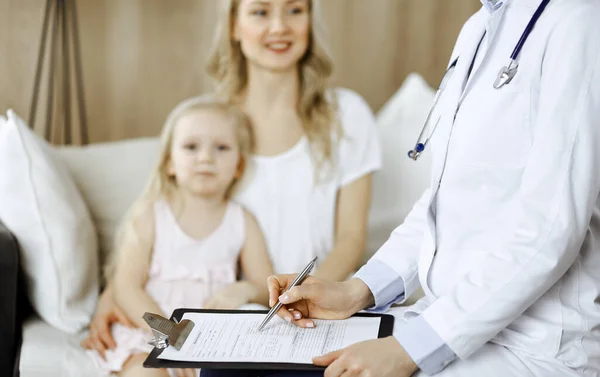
column 424, row 346
column 385, row 284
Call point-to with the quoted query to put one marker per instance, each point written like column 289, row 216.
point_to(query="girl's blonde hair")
column 228, row 66
column 161, row 184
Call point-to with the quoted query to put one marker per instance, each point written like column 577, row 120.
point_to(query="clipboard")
column 386, row 328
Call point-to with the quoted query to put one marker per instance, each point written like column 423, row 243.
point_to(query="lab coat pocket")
column 539, row 330
column 496, row 131
column 531, row 335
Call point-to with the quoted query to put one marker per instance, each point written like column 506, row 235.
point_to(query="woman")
column 310, row 180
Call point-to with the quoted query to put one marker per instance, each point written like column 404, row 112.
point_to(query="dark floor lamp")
column 61, row 16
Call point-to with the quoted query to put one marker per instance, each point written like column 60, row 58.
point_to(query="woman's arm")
column 255, row 262
column 133, row 264
column 351, row 216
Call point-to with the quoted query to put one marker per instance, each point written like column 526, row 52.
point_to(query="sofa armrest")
column 13, row 303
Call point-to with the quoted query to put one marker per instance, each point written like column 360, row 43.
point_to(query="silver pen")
column 298, row 280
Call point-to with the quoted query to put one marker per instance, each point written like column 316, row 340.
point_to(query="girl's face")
column 273, row 34
column 205, row 155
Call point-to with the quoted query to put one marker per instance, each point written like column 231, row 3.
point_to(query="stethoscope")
column 505, row 76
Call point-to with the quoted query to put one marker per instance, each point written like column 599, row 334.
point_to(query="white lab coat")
column 506, row 242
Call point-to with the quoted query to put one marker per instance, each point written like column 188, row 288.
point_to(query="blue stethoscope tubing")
column 528, row 29
column 506, row 74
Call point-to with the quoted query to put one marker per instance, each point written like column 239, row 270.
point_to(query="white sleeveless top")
column 297, row 214
column 185, row 271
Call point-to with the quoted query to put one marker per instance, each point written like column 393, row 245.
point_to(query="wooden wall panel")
column 141, row 57
column 20, row 26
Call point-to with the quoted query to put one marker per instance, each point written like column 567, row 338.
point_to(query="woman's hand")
column 381, row 357
column 107, row 312
column 232, row 296
column 317, row 298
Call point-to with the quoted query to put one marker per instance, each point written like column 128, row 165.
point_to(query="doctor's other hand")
column 107, row 313
column 381, row 357
column 317, row 298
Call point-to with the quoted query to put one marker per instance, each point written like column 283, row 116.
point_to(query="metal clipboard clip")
column 168, row 333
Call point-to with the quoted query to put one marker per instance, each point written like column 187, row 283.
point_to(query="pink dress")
column 184, row 273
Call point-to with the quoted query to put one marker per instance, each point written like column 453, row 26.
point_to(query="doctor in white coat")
column 506, row 241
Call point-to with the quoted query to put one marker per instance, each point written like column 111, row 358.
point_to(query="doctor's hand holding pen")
column 322, row 299
column 317, row 298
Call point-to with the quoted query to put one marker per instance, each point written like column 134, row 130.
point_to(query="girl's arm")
column 255, row 262
column 133, row 264
column 351, row 217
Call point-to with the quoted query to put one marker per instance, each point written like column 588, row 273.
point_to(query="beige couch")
column 110, row 175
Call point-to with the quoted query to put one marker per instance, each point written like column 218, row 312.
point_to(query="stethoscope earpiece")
column 415, row 153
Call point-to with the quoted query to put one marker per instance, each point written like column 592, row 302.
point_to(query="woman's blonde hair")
column 227, row 65
column 163, row 185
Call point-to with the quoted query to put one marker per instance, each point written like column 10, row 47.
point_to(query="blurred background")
column 139, row 58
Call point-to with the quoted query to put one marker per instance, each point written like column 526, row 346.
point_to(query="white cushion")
column 49, row 352
column 401, row 181
column 110, row 176
column 41, row 206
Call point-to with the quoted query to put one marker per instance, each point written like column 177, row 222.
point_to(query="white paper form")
column 234, row 338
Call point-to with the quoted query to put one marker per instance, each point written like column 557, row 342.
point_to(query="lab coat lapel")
column 491, row 24
column 451, row 102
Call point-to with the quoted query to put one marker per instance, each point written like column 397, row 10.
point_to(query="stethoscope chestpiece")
column 506, row 74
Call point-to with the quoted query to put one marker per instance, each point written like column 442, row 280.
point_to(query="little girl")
column 182, row 241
